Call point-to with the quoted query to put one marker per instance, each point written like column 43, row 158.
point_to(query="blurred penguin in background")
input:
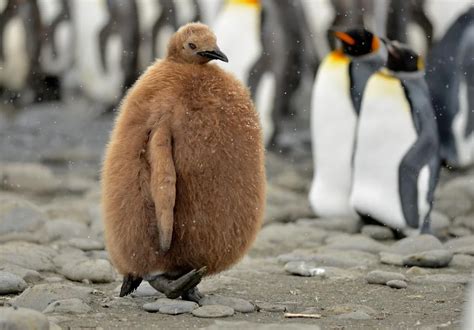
column 57, row 44
column 337, row 95
column 396, row 157
column 450, row 77
column 106, row 49
column 287, row 54
column 20, row 46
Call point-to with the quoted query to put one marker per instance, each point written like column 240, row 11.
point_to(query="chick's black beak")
column 215, row 54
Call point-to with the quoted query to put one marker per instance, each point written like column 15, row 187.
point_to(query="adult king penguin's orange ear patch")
column 375, row 43
column 345, row 37
column 420, row 64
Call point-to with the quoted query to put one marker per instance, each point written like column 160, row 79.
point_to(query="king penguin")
column 450, row 77
column 396, row 158
column 336, row 98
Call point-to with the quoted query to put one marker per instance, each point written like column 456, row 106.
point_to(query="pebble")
column 62, row 229
column 74, row 210
column 303, row 268
column 17, row 215
column 347, row 225
column 452, row 202
column 332, row 258
column 461, row 245
column 440, row 224
column 144, row 290
column 382, row 277
column 357, row 315
column 97, row 271
column 350, row 309
column 457, row 231
column 354, row 242
column 170, row 306
column 40, row 296
column 238, row 304
column 11, row 283
column 466, row 221
column 28, row 255
column 415, row 244
column 443, row 278
column 284, row 205
column 270, row 307
column 68, row 255
column 245, row 325
column 13, row 318
column 397, row 284
column 86, row 244
column 32, row 177
column 415, row 270
column 433, row 259
column 462, row 261
column 379, row 233
column 68, row 306
column 28, row 275
column 391, row 258
column 213, row 311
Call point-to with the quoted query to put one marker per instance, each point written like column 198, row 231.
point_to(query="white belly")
column 385, row 133
column 333, row 123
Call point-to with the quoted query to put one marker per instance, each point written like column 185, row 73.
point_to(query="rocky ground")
column 302, row 272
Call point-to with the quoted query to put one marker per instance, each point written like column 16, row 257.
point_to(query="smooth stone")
column 350, row 308
column 68, row 255
column 382, row 277
column 245, row 325
column 86, row 244
column 440, row 224
column 464, row 183
column 284, row 205
column 40, row 296
column 456, row 231
column 461, row 245
column 357, row 315
column 433, row 258
column 443, row 278
column 30, row 177
column 68, row 306
column 13, row 318
column 54, row 279
column 11, row 283
column 28, row 255
column 99, row 254
column 97, row 271
column 73, row 210
column 64, row 229
column 452, row 202
column 354, row 242
column 391, row 258
column 213, row 311
column 333, row 258
column 462, row 261
column 17, row 215
column 269, row 307
column 28, row 275
column 144, row 290
column 415, row 270
column 170, row 306
column 347, row 225
column 466, row 221
column 397, row 284
column 379, row 233
column 415, row 244
column 303, row 268
column 239, row 305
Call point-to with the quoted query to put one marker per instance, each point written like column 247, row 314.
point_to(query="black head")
column 358, row 41
column 402, row 58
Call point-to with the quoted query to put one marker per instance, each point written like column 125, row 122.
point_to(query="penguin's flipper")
column 130, row 283
column 163, row 182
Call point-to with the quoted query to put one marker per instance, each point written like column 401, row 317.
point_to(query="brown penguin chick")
column 183, row 179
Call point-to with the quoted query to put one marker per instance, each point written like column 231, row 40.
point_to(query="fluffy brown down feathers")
column 186, row 160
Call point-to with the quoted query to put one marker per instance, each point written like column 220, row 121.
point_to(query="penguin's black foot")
column 130, row 283
column 193, row 295
column 175, row 288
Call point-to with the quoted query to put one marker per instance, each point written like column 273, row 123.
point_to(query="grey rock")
column 245, row 325
column 30, row 177
column 442, row 278
column 40, row 296
column 22, row 319
column 171, row 306
column 415, row 244
column 397, row 284
column 466, row 221
column 462, row 245
column 453, row 203
column 68, row 255
column 379, row 233
column 86, row 244
column 391, row 258
column 462, row 261
column 270, row 307
column 17, row 215
column 381, row 277
column 64, row 229
column 415, row 270
column 73, row 210
column 440, row 224
column 28, row 275
column 355, row 242
column 213, row 311
column 239, row 305
column 97, row 271
column 458, row 231
column 284, row 205
column 144, row 290
column 68, row 306
column 357, row 315
column 464, row 184
column 350, row 308
column 11, row 283
column 347, row 225
column 28, row 255
column 303, row 268
column 433, row 258
column 332, row 258
column 54, row 279
column 101, row 254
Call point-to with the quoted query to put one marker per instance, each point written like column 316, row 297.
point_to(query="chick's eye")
column 191, row 45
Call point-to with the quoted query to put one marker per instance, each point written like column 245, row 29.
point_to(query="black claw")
column 130, row 283
column 179, row 287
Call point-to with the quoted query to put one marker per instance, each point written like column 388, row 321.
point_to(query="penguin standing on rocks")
column 396, row 158
column 337, row 95
column 450, row 77
column 183, row 177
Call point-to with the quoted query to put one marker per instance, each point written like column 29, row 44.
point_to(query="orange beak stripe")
column 345, row 37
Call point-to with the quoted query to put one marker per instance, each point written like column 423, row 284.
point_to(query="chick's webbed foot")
column 180, row 286
column 193, row 295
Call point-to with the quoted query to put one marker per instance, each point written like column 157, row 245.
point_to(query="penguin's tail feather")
column 130, row 283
